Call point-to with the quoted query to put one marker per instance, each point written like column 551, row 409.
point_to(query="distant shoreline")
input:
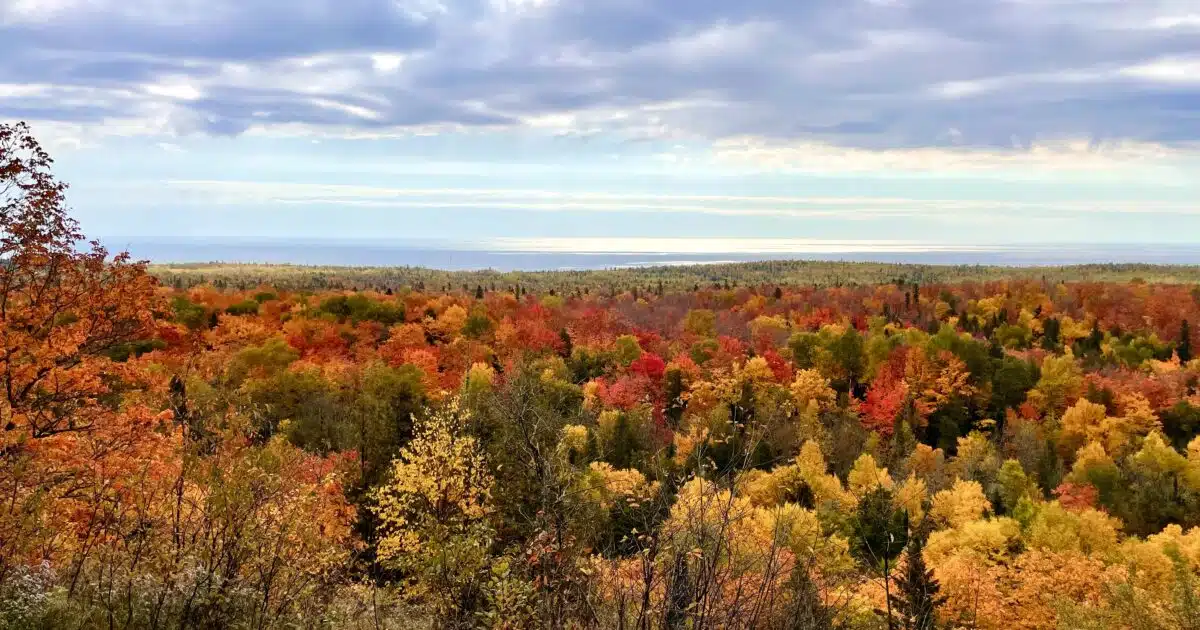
column 671, row 277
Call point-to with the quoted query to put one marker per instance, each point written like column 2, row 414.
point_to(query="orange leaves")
column 934, row 381
column 402, row 338
column 314, row 338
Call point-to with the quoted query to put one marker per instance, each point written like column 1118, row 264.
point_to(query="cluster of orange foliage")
column 100, row 484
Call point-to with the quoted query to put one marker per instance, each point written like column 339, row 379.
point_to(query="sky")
column 584, row 123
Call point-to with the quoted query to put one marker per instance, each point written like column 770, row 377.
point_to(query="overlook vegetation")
column 859, row 447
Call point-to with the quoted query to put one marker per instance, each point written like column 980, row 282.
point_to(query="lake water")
column 459, row 256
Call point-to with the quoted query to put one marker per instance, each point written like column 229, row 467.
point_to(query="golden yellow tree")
column 433, row 514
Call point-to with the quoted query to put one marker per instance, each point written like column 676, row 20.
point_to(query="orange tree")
column 64, row 306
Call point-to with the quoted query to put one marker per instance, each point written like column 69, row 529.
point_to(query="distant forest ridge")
column 655, row 279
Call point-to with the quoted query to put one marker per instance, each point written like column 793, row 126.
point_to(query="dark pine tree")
column 567, row 346
column 917, row 597
column 478, row 292
column 1185, row 342
column 1050, row 334
column 679, row 595
column 675, row 402
column 806, row 611
column 880, row 533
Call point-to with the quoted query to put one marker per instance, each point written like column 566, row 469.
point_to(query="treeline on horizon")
column 901, row 454
column 673, row 278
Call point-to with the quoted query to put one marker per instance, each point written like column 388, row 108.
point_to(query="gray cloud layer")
column 879, row 73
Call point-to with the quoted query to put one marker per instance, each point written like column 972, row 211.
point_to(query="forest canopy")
column 774, row 445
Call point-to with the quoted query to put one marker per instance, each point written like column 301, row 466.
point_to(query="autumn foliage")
column 1015, row 453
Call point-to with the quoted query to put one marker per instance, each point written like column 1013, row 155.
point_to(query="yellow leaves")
column 760, row 487
column 1137, row 420
column 606, row 486
column 811, row 461
column 757, row 371
column 1187, row 544
column 1083, row 421
column 800, row 531
column 1161, row 368
column 1192, row 474
column 866, row 476
column 607, row 424
column 926, row 461
column 1071, row 330
column 910, row 496
column 1088, row 421
column 941, row 309
column 976, row 457
column 1158, row 456
column 591, row 395
column 703, row 515
column 934, row 381
column 991, row 540
column 766, row 489
column 960, row 504
column 439, row 479
column 700, row 322
column 771, row 330
column 1056, row 529
column 479, row 378
column 686, row 442
column 617, row 483
column 972, row 596
column 573, row 440
column 507, row 335
column 450, row 323
column 1089, row 458
column 1037, row 584
column 1060, row 382
column 809, row 386
column 745, row 541
column 987, row 308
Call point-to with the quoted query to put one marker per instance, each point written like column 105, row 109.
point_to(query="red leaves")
column 884, row 402
column 779, row 367
column 650, row 366
column 887, row 395
column 624, row 393
column 1077, row 497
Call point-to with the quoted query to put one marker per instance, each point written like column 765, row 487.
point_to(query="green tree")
column 917, row 592
column 880, row 533
column 847, row 353
column 880, row 530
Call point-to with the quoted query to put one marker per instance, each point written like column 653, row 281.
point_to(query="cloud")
column 881, row 77
column 855, row 208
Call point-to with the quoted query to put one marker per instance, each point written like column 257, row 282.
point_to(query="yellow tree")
column 433, row 514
